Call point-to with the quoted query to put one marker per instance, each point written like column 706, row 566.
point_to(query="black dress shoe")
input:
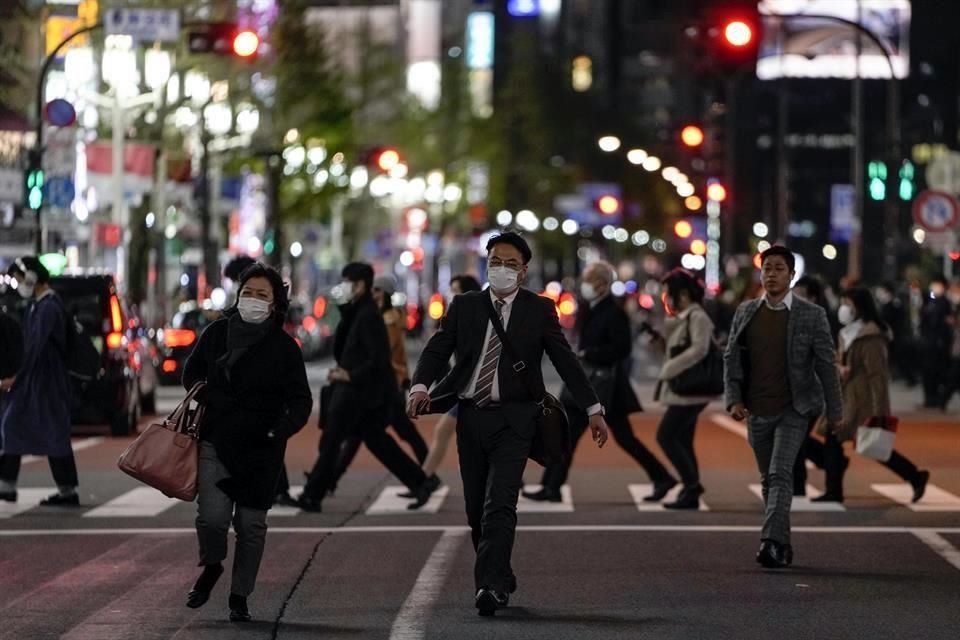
column 660, row 490
column 543, row 495
column 772, row 555
column 920, row 485
column 488, row 601
column 689, row 498
column 309, row 504
column 284, row 499
column 200, row 592
column 512, row 584
column 409, row 493
column 61, row 500
column 422, row 493
column 8, row 496
column 828, row 496
column 238, row 609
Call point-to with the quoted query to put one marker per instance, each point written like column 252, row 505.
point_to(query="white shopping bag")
column 875, row 438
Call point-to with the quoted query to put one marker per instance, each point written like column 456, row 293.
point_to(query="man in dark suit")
column 363, row 386
column 604, row 345
column 498, row 398
column 779, row 373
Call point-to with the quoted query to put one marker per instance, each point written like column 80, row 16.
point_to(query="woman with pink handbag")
column 256, row 397
column 865, row 379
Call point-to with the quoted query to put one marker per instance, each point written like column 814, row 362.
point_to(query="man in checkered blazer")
column 779, row 374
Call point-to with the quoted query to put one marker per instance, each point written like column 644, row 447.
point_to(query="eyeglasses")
column 509, row 264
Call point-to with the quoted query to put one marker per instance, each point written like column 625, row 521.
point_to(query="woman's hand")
column 7, row 383
column 339, row 374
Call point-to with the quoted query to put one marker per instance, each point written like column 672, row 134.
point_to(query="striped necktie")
column 484, row 389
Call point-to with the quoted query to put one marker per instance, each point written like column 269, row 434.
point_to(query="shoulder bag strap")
column 518, row 365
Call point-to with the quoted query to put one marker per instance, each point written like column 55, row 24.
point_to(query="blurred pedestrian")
column 811, row 290
column 499, row 388
column 894, row 314
column 256, row 398
column 935, row 339
column 384, row 287
column 779, row 374
column 447, row 424
column 952, row 382
column 865, row 378
column 603, row 344
column 689, row 337
column 362, row 394
column 36, row 412
column 11, row 346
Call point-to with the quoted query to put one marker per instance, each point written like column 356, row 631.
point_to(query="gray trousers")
column 214, row 512
column 776, row 441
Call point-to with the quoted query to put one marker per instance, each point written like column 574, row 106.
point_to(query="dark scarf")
column 241, row 336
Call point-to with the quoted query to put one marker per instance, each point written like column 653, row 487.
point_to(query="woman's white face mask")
column 845, row 314
column 253, row 310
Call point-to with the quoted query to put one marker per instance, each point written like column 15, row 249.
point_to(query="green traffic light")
column 907, row 187
column 35, row 189
column 878, row 190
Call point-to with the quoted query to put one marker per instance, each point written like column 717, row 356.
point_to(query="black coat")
column 362, row 348
column 533, row 330
column 11, row 346
column 605, row 341
column 267, row 391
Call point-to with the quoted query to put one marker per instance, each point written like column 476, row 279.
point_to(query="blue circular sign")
column 60, row 113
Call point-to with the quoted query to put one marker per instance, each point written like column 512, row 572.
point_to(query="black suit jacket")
column 605, row 341
column 532, row 331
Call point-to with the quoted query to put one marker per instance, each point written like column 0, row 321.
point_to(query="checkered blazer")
column 810, row 360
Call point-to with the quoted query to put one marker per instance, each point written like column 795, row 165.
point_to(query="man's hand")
column 599, row 429
column 738, row 412
column 7, row 383
column 338, row 374
column 417, row 404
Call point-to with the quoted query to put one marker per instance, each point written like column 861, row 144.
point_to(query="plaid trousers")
column 776, row 441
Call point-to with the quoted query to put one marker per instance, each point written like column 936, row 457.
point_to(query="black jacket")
column 11, row 346
column 533, row 329
column 362, row 348
column 267, row 391
column 605, row 341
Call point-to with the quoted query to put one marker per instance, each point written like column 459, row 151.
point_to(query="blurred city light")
column 640, row 238
column 621, row 235
column 504, row 218
column 636, row 156
column 388, row 159
column 551, row 223
column 618, row 288
column 829, row 252
column 609, row 231
column 582, row 74
column 608, row 205
column 919, row 235
column 698, row 247
column 683, row 229
column 692, row 262
column 670, row 173
column 738, row 33
column 609, row 143
column 296, row 249
column 717, row 192
column 246, row 43
column 436, row 307
column 685, row 190
column 691, row 135
column 762, row 246
column 693, row 203
column 406, row 258
column 527, row 220
column 570, row 227
column 659, row 245
column 652, row 163
column 760, row 230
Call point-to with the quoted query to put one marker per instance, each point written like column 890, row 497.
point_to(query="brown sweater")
column 768, row 387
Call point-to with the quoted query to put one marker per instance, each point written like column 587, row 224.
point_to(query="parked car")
column 113, row 395
column 177, row 340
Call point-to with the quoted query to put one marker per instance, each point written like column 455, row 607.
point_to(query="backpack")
column 82, row 358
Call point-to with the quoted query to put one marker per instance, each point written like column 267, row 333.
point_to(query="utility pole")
column 854, row 258
column 891, row 224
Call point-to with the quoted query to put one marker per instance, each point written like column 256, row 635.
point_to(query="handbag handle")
column 180, row 416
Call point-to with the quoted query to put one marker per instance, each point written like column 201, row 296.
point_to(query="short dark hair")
column 813, row 287
column 679, row 280
column 467, row 282
column 30, row 264
column 514, row 240
column 358, row 272
column 237, row 266
column 281, row 297
column 780, row 250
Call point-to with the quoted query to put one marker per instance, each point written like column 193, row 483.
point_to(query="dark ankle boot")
column 238, row 608
column 689, row 498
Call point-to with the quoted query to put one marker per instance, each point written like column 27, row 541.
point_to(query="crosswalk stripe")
column 389, row 502
column 934, row 499
column 26, row 499
column 803, row 503
column 283, row 511
column 525, row 505
column 142, row 502
column 639, row 491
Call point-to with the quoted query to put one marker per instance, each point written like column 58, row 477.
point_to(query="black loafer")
column 660, row 490
column 61, row 500
column 920, row 485
column 311, row 505
column 422, row 493
column 488, row 601
column 238, row 609
column 772, row 555
column 200, row 592
column 543, row 495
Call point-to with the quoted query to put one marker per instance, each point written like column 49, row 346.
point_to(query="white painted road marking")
column 77, row 445
column 639, row 491
column 390, row 502
column 934, row 499
column 26, row 499
column 283, row 511
column 803, row 503
column 525, row 505
column 940, row 545
column 411, row 622
column 142, row 502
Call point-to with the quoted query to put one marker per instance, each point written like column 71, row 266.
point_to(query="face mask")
column 883, row 297
column 502, row 279
column 845, row 314
column 25, row 291
column 253, row 310
column 588, row 291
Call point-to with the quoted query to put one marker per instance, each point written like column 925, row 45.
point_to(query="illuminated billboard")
column 797, row 45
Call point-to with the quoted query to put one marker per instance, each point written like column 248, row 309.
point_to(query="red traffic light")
column 691, row 135
column 608, row 205
column 387, row 159
column 246, row 43
column 737, row 33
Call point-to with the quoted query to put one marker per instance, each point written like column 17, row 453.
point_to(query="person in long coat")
column 256, row 398
column 865, row 380
column 36, row 413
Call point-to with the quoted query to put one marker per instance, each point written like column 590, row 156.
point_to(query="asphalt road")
column 599, row 565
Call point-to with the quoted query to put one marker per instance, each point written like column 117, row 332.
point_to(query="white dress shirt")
column 786, row 302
